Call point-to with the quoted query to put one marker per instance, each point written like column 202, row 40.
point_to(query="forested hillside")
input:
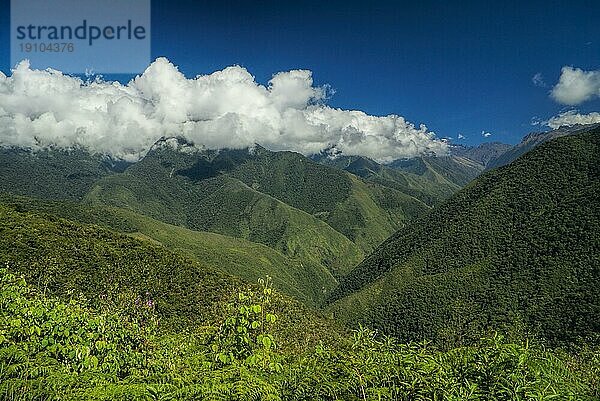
column 261, row 196
column 430, row 179
column 68, row 259
column 304, row 224
column 301, row 279
column 53, row 173
column 516, row 250
column 156, row 187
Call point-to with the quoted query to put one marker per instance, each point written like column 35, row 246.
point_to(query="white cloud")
column 575, row 86
column 224, row 109
column 486, row 134
column 538, row 80
column 535, row 120
column 572, row 117
column 461, row 136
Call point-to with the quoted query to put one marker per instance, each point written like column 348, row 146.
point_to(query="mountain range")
column 320, row 226
column 250, row 274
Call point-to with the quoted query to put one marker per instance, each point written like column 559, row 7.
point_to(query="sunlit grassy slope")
column 65, row 259
column 300, row 279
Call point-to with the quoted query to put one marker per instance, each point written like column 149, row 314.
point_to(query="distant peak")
column 176, row 143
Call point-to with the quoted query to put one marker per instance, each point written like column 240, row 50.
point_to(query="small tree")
column 244, row 337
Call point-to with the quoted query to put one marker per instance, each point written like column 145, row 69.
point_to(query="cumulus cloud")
column 461, row 136
column 572, row 117
column 576, row 86
column 486, row 134
column 227, row 108
column 538, row 80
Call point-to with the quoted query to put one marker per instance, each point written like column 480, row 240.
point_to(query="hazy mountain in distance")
column 430, row 179
column 534, row 139
column 483, row 153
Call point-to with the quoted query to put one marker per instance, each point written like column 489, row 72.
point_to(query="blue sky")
column 462, row 67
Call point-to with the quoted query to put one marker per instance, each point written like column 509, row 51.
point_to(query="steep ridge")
column 53, row 173
column 302, row 280
column 517, row 250
column 429, row 179
column 534, row 139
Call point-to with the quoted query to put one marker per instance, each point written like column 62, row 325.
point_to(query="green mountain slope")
column 64, row 258
column 60, row 256
column 225, row 205
column 534, row 139
column 300, row 279
column 280, row 199
column 347, row 204
column 54, row 173
column 517, row 249
column 429, row 179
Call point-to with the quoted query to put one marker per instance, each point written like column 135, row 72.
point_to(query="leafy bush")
column 243, row 336
column 51, row 349
column 41, row 338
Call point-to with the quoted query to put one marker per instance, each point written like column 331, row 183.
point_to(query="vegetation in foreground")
column 55, row 349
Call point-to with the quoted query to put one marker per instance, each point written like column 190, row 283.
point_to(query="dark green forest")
column 517, row 249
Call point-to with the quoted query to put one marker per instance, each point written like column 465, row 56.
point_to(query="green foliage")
column 244, row 335
column 40, row 337
column 52, row 173
column 379, row 368
column 117, row 355
column 516, row 250
column 301, row 279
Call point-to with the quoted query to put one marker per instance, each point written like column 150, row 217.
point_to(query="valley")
column 216, row 256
